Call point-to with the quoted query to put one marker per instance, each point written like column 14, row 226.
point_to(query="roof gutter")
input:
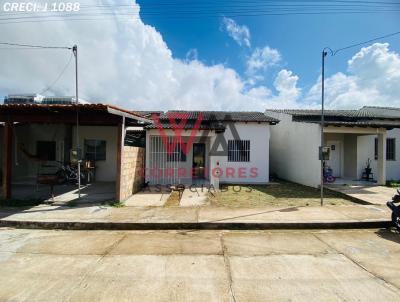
column 127, row 115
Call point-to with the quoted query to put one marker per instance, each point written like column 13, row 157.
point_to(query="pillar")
column 381, row 177
column 120, row 156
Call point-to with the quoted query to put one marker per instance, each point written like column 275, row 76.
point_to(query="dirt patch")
column 173, row 200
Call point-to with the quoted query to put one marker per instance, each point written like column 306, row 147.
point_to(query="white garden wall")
column 294, row 150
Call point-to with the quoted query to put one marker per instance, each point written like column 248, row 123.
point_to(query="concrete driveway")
column 369, row 194
column 39, row 265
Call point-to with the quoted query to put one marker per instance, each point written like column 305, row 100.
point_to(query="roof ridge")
column 381, row 107
column 213, row 111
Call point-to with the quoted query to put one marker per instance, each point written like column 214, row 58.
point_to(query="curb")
column 194, row 226
column 348, row 197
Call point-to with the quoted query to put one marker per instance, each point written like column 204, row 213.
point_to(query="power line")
column 365, row 42
column 179, row 10
column 34, row 46
column 188, row 10
column 59, row 76
column 181, row 17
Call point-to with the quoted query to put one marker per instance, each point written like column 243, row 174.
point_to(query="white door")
column 335, row 159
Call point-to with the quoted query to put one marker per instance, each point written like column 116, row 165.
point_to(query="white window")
column 238, row 150
column 390, row 148
column 95, row 149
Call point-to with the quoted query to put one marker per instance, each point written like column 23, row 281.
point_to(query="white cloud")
column 261, row 59
column 125, row 62
column 373, row 78
column 192, row 55
column 288, row 93
column 239, row 33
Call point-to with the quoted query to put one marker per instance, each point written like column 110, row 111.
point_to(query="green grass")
column 393, row 183
column 277, row 194
column 116, row 204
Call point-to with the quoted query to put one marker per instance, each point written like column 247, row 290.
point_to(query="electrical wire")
column 34, row 46
column 238, row 8
column 177, row 13
column 59, row 76
column 365, row 42
column 182, row 17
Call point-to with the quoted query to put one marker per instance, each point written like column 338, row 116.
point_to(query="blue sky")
column 135, row 55
column 299, row 38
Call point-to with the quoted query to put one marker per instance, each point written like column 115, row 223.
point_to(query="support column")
column 381, row 159
column 120, row 150
column 7, row 159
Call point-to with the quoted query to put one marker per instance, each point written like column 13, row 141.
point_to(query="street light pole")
column 324, row 53
column 75, row 51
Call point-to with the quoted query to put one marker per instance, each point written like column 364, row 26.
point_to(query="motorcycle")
column 395, row 209
column 69, row 174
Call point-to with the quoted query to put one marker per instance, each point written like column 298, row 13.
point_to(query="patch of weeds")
column 116, row 204
column 12, row 202
column 173, row 200
column 393, row 183
column 71, row 203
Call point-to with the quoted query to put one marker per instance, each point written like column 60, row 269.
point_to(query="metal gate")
column 164, row 165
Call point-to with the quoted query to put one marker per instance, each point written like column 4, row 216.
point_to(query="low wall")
column 132, row 171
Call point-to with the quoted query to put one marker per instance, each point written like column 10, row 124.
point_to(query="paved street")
column 348, row 265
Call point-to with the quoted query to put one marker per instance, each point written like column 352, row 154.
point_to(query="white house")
column 353, row 136
column 210, row 147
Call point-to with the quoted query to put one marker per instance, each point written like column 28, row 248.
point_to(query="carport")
column 35, row 134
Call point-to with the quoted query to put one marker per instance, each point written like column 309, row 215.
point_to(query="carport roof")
column 367, row 116
column 365, row 112
column 96, row 114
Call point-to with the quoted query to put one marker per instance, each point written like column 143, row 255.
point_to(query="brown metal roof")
column 96, row 113
column 365, row 117
column 365, row 112
column 213, row 120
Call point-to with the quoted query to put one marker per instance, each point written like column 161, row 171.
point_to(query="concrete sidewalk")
column 377, row 195
column 105, row 217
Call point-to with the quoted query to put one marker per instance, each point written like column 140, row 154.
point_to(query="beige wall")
column 106, row 170
column 26, row 169
column 132, row 172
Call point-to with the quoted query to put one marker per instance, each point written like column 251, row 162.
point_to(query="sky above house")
column 207, row 55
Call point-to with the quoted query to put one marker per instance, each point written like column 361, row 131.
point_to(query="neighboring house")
column 228, row 147
column 37, row 136
column 34, row 98
column 354, row 136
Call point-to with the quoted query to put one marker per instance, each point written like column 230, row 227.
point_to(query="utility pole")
column 324, row 53
column 75, row 51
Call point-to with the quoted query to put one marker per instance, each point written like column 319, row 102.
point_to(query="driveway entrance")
column 366, row 193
